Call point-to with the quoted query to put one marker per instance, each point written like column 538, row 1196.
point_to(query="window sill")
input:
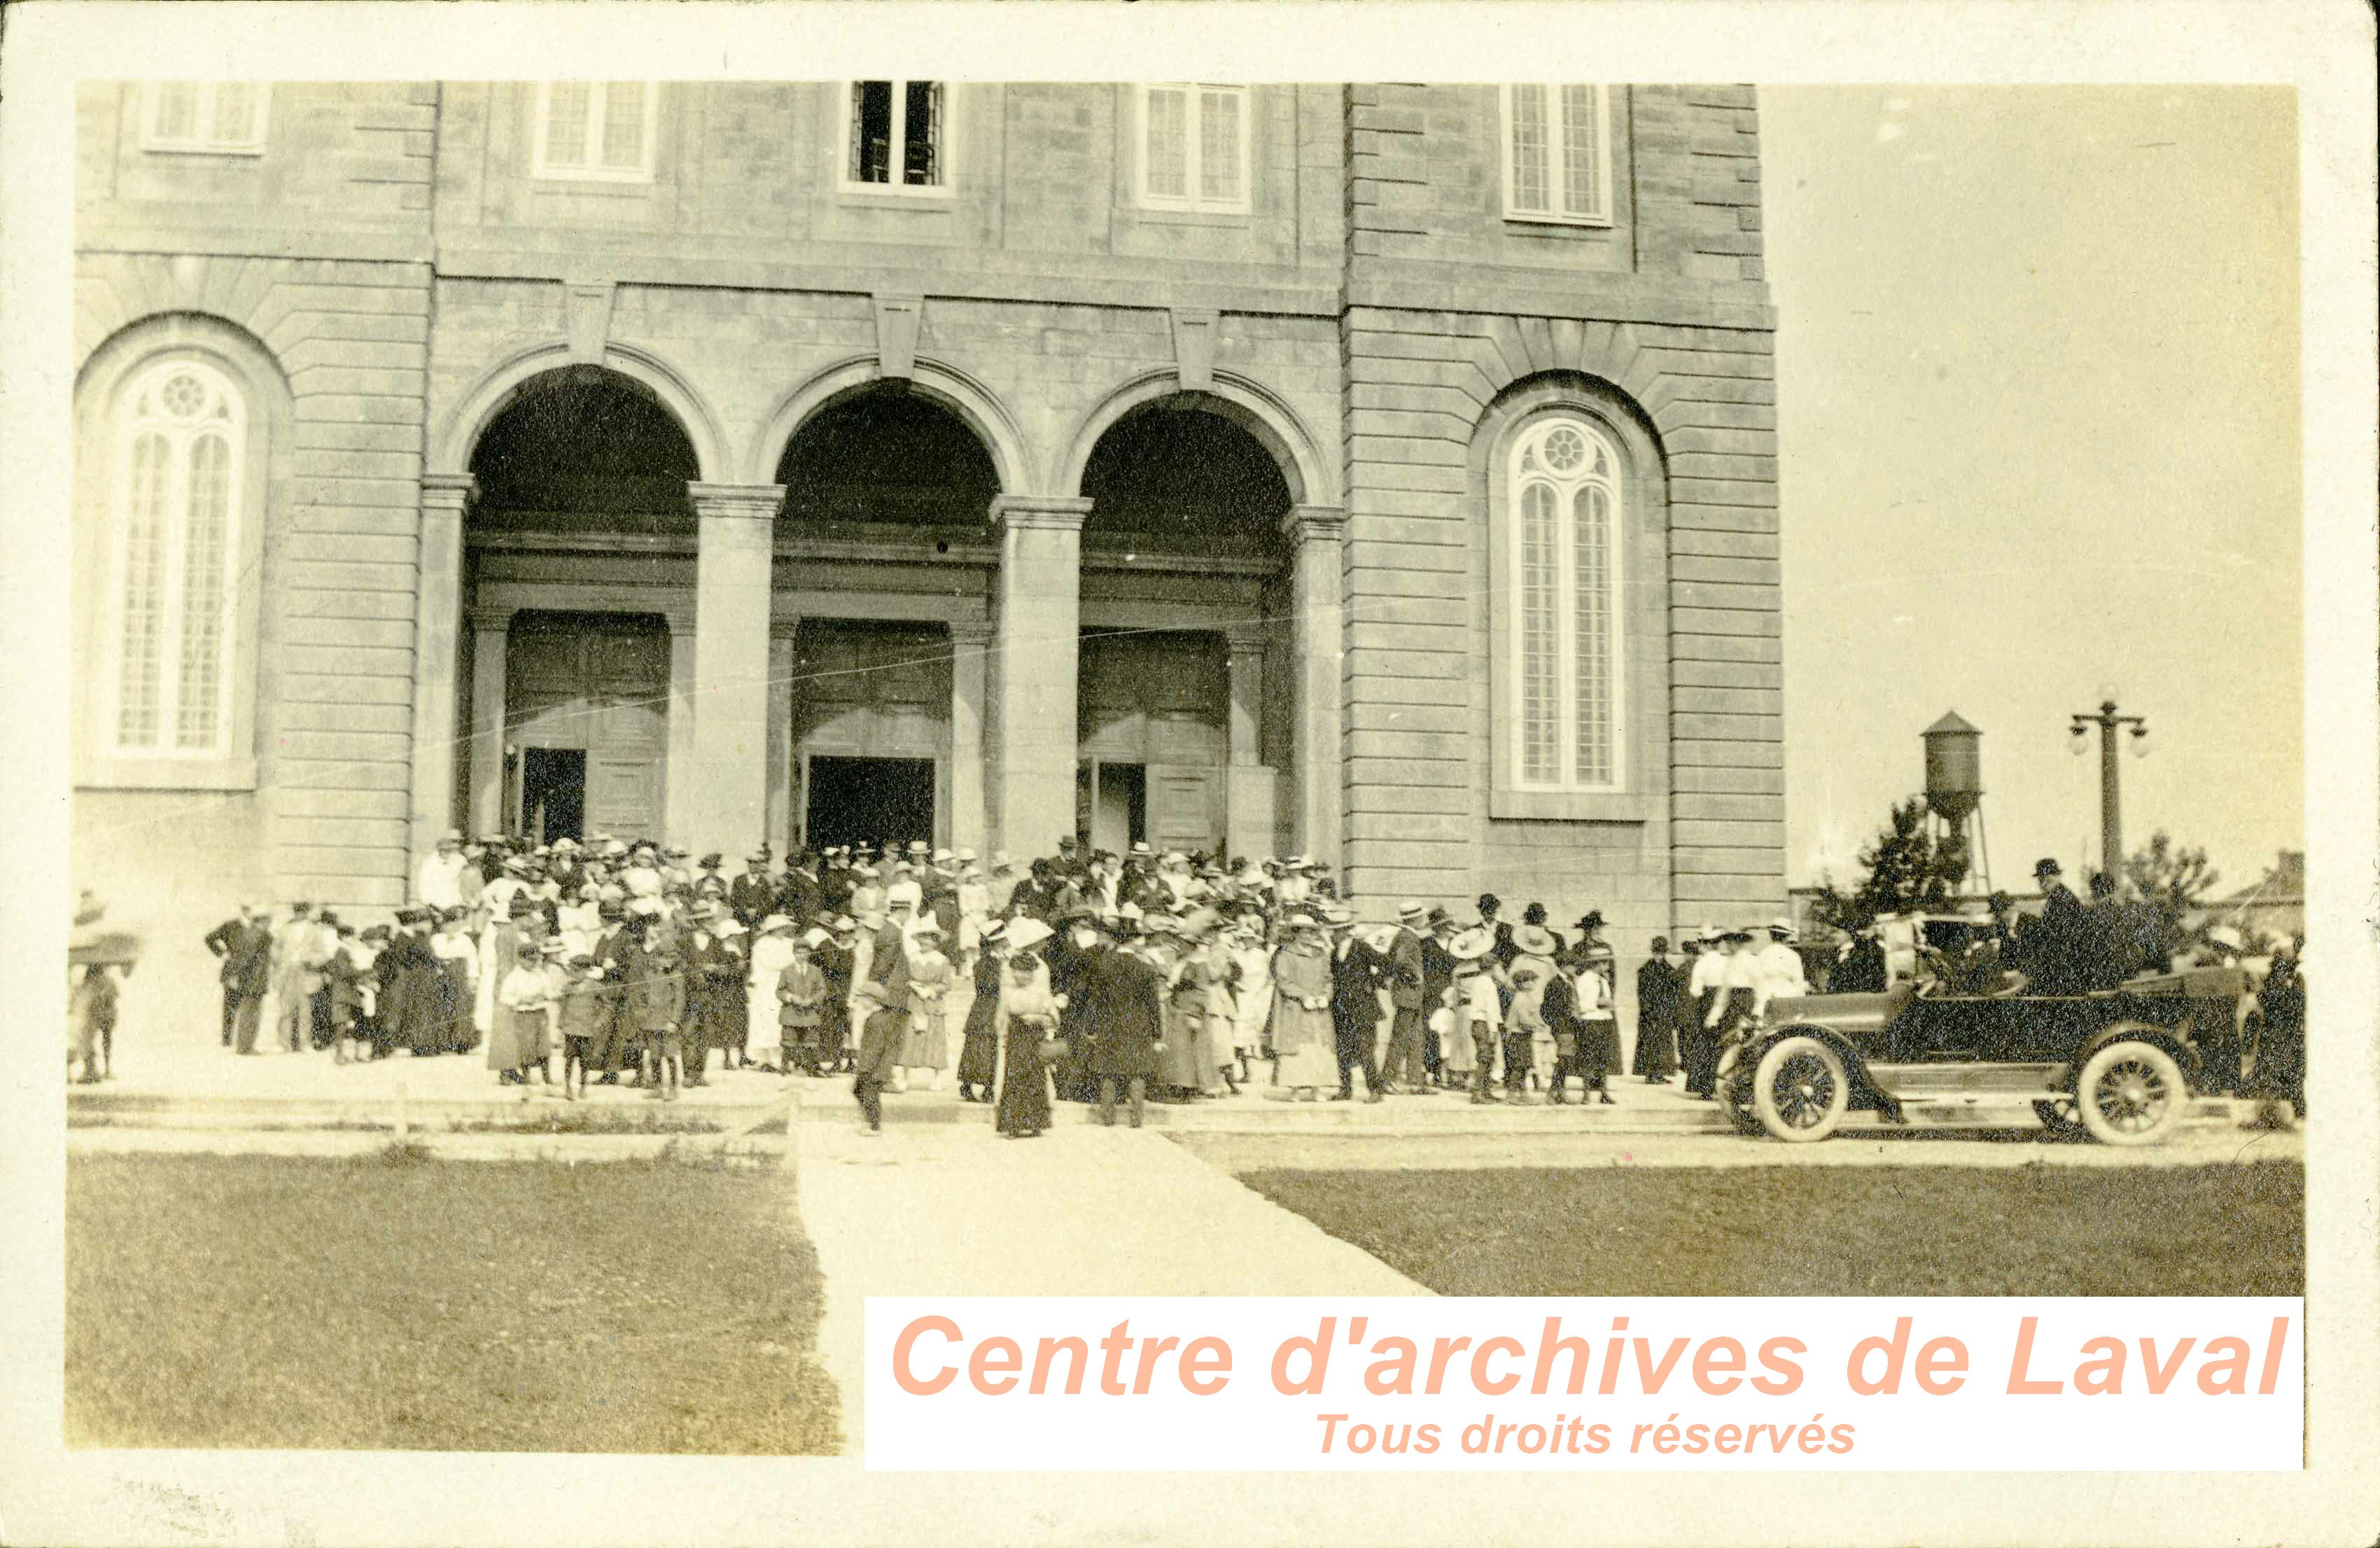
column 1561, row 223
column 883, row 196
column 1573, row 806
column 250, row 150
column 1166, row 214
column 165, row 774
column 625, row 181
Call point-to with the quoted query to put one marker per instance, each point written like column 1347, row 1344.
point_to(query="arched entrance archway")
column 1182, row 554
column 886, row 456
column 888, row 491
column 578, row 560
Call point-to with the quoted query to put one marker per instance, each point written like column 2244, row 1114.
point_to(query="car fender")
column 2171, row 1040
column 1847, row 1048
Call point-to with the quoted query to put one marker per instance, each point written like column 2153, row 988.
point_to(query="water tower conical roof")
column 1950, row 725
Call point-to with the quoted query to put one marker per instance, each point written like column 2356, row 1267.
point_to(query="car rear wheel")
column 2131, row 1093
column 1799, row 1089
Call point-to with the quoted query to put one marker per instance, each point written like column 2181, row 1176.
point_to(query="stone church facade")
column 1384, row 472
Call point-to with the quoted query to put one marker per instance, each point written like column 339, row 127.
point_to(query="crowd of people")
column 1084, row 975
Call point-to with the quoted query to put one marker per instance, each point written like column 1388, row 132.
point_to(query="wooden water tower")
column 1954, row 792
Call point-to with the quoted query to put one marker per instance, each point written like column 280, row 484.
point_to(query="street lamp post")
column 2111, row 810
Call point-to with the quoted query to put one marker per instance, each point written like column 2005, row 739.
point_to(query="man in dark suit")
column 2052, row 943
column 244, row 947
column 1404, row 1069
column 801, row 897
column 1357, row 975
column 1123, row 1011
column 753, row 896
column 1436, row 976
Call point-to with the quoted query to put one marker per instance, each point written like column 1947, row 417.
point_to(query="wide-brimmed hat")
column 1471, row 944
column 1338, row 916
column 1590, row 921
column 1533, row 940
column 565, row 845
column 1024, row 934
column 775, row 923
column 1199, row 922
column 1781, row 928
column 813, row 938
column 1410, row 911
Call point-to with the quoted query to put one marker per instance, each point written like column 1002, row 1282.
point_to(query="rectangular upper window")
column 596, row 130
column 205, row 117
column 897, row 138
column 1194, row 147
column 1558, row 154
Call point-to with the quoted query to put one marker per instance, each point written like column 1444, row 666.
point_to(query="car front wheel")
column 1799, row 1089
column 2130, row 1093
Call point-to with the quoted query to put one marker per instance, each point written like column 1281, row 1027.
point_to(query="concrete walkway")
column 953, row 1208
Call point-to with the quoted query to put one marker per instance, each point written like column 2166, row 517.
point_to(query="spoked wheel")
column 1799, row 1089
column 2131, row 1093
column 2059, row 1116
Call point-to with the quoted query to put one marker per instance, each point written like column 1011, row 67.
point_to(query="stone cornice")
column 1064, row 513
column 754, row 502
column 449, row 492
column 1305, row 524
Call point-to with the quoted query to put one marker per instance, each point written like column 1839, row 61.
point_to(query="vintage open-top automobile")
column 2122, row 1064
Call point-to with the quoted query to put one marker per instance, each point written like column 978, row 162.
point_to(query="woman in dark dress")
column 980, row 1055
column 1023, row 1017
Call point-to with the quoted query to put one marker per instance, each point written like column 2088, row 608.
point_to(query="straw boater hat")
column 1782, row 928
column 1534, row 941
column 1411, row 912
column 1472, row 943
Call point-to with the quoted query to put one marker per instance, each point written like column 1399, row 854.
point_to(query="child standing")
column 655, row 997
column 527, row 993
column 801, row 1005
column 584, row 1006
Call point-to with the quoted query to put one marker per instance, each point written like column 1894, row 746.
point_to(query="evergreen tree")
column 1908, row 871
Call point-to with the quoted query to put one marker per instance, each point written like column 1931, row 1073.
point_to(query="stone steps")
column 624, row 1110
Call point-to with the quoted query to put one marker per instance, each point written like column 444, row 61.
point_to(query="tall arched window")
column 180, row 435
column 1565, row 717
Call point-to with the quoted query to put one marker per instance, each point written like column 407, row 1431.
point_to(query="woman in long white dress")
column 772, row 949
column 1252, row 995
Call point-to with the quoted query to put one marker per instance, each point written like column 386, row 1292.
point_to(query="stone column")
column 1039, row 624
column 1317, row 536
column 1251, row 788
column 779, row 834
column 437, row 654
column 677, row 795
column 490, row 627
column 971, row 648
column 729, row 803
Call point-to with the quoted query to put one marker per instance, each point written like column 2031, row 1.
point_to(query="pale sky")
column 2038, row 432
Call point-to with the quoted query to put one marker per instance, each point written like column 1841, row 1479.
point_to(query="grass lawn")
column 2228, row 1230
column 265, row 1301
